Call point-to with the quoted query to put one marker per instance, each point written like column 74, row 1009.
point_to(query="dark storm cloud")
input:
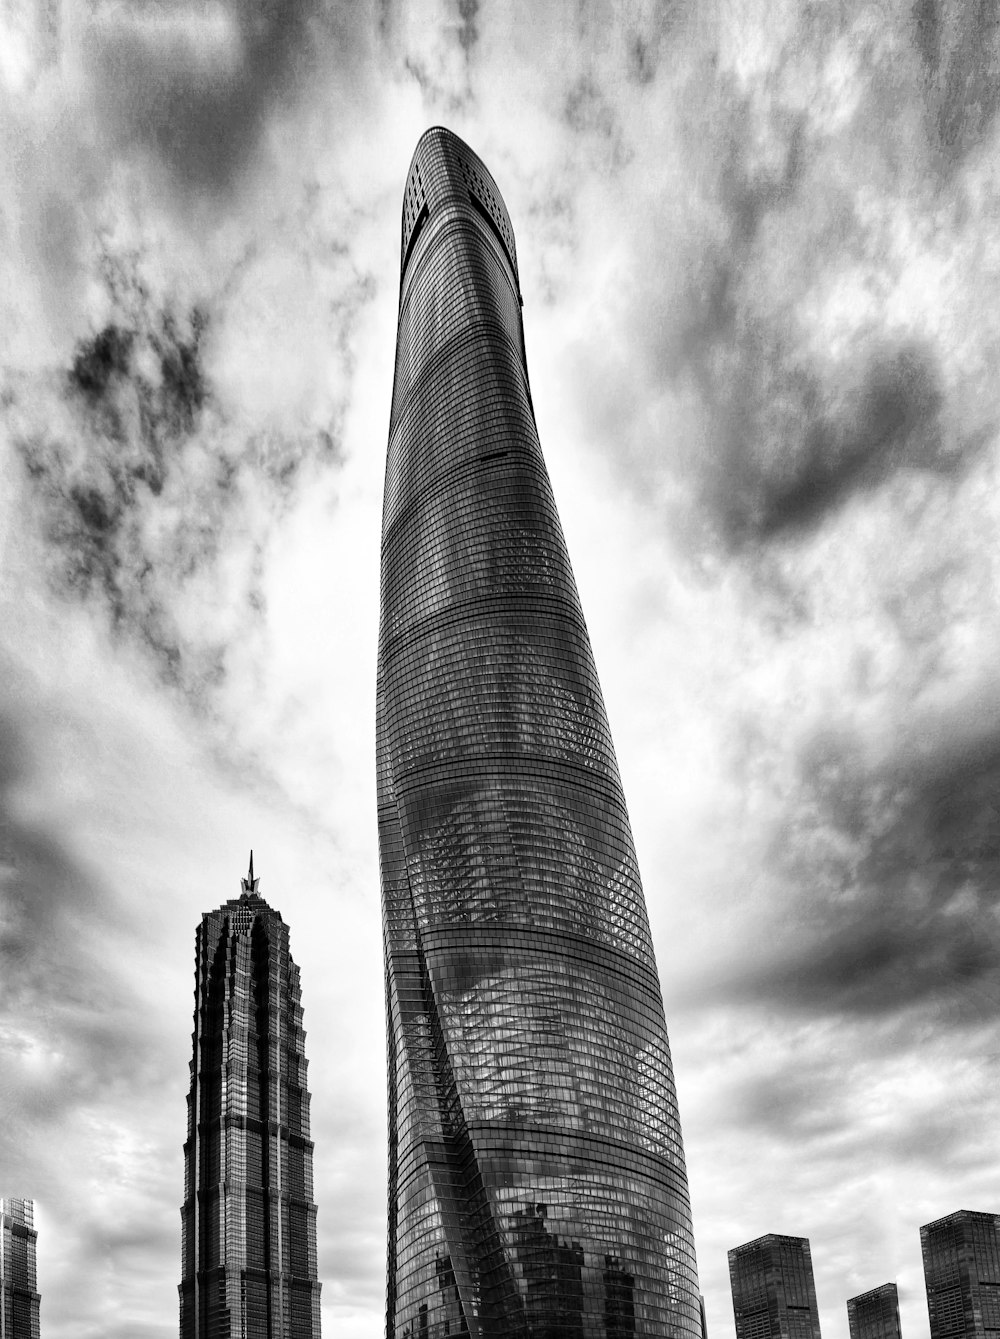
column 797, row 361
column 959, row 45
column 142, row 484
column 893, row 877
column 468, row 31
column 199, row 98
column 57, row 982
column 794, row 1096
column 136, row 394
column 38, row 873
column 793, row 436
column 829, row 440
column 589, row 114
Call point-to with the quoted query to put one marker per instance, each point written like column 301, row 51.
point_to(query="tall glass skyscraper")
column 249, row 1221
column 774, row 1294
column 536, row 1180
column 962, row 1273
column 19, row 1298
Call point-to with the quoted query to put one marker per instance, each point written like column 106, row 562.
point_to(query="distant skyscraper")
column 875, row 1314
column 536, row 1182
column 249, row 1221
column 19, row 1298
column 962, row 1273
column 774, row 1296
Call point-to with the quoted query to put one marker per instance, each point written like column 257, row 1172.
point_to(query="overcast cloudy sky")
column 760, row 254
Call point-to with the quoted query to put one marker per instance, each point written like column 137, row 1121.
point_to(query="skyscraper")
column 249, row 1221
column 19, row 1297
column 536, row 1184
column 875, row 1314
column 774, row 1296
column 962, row 1273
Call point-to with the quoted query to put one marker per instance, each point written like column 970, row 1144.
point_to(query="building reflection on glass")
column 552, row 1271
column 534, row 1139
column 619, row 1300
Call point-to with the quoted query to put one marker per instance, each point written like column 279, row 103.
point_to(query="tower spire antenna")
column 249, row 884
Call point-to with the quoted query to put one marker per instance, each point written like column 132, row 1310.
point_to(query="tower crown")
column 446, row 174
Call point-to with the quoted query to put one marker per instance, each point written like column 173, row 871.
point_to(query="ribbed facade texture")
column 962, row 1274
column 537, row 1184
column 774, row 1295
column 19, row 1297
column 875, row 1314
column 249, row 1221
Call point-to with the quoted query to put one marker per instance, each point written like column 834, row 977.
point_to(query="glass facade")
column 875, row 1314
column 19, row 1297
column 774, row 1296
column 536, row 1184
column 962, row 1274
column 249, row 1221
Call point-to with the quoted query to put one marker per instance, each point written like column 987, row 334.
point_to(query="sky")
column 760, row 259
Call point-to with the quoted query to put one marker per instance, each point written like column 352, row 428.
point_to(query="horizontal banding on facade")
column 536, row 1167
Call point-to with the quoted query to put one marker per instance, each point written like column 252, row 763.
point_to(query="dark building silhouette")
column 249, row 1221
column 619, row 1299
column 534, row 1139
column 19, row 1297
column 774, row 1296
column 553, row 1277
column 875, row 1314
column 962, row 1275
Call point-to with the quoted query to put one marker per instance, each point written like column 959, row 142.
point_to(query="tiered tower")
column 249, row 1221
column 537, row 1184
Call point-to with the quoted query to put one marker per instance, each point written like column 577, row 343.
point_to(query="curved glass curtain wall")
column 536, row 1182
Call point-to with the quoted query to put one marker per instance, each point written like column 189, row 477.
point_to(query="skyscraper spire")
column 249, row 884
column 536, row 1173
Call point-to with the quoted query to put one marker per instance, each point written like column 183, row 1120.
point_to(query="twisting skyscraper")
column 536, row 1182
column 249, row 1221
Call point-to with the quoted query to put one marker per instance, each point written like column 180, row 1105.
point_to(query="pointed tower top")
column 249, row 884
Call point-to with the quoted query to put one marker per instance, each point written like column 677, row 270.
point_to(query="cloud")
column 960, row 49
column 826, row 441
column 786, row 325
column 763, row 365
column 153, row 495
column 884, row 889
column 66, row 1034
column 196, row 87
